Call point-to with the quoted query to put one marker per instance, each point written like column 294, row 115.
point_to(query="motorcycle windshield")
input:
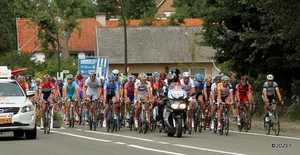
column 176, row 92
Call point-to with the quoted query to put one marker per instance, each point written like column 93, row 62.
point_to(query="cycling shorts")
column 71, row 96
column 46, row 96
column 92, row 95
column 131, row 97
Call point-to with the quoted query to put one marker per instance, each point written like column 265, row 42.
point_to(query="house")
column 154, row 48
column 164, row 8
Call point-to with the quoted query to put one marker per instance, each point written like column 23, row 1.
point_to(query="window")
column 194, row 71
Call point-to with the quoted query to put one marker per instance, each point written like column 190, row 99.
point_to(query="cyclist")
column 234, row 82
column 214, row 97
column 129, row 95
column 70, row 93
column 243, row 96
column 142, row 92
column 36, row 88
column 187, row 84
column 111, row 93
column 60, row 85
column 46, row 90
column 122, row 96
column 91, row 91
column 225, row 95
column 199, row 87
column 269, row 89
column 79, row 79
column 29, row 81
column 23, row 83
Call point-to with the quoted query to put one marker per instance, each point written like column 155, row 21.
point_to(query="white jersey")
column 187, row 87
column 215, row 88
column 92, row 86
column 142, row 88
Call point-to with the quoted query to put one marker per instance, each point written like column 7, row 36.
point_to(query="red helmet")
column 162, row 75
column 244, row 78
column 46, row 76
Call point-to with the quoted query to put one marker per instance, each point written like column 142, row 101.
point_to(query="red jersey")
column 242, row 91
column 47, row 87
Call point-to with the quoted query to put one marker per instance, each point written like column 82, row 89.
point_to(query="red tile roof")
column 28, row 41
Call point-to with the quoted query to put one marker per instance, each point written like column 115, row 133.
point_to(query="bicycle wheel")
column 200, row 121
column 267, row 125
column 249, row 121
column 245, row 124
column 276, row 124
column 226, row 123
column 140, row 126
column 90, row 122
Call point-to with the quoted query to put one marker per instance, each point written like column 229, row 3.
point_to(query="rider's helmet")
column 175, row 71
column 21, row 79
column 171, row 78
column 37, row 80
column 59, row 79
column 79, row 72
column 131, row 78
column 155, row 75
column 200, row 78
column 162, row 75
column 270, row 77
column 116, row 72
column 225, row 78
column 69, row 76
column 143, row 76
column 218, row 79
column 208, row 78
column 244, row 78
column 92, row 73
column 186, row 74
column 111, row 77
column 46, row 77
column 28, row 77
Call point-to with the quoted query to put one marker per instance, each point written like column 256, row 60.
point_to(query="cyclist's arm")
column 231, row 95
column 136, row 94
column 77, row 93
column 149, row 92
column 117, row 92
column 278, row 94
column 125, row 92
column 193, row 90
column 237, row 93
column 219, row 95
column 99, row 91
column 64, row 93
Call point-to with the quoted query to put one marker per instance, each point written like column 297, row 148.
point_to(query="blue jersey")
column 270, row 88
column 111, row 88
column 71, row 88
column 199, row 88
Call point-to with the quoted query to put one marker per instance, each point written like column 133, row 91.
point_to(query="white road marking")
column 271, row 136
column 155, row 150
column 121, row 143
column 209, row 150
column 163, row 142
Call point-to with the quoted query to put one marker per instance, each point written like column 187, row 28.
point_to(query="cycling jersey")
column 92, row 87
column 60, row 88
column 270, row 88
column 225, row 91
column 187, row 87
column 46, row 90
column 214, row 87
column 130, row 90
column 199, row 88
column 207, row 88
column 70, row 89
column 80, row 83
column 242, row 91
column 142, row 89
column 24, row 86
column 110, row 89
column 234, row 84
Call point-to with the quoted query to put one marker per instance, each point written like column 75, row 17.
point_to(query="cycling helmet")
column 21, row 78
column 172, row 77
column 69, row 76
column 208, row 78
column 155, row 75
column 162, row 75
column 175, row 71
column 54, row 79
column 59, row 79
column 131, row 78
column 28, row 77
column 111, row 77
column 79, row 72
column 218, row 78
column 37, row 80
column 46, row 77
column 225, row 78
column 200, row 78
column 186, row 74
column 143, row 76
column 115, row 71
column 244, row 78
column 124, row 78
column 270, row 77
column 92, row 73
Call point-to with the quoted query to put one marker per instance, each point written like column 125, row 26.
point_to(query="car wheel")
column 31, row 134
column 18, row 134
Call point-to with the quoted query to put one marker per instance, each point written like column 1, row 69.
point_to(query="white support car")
column 17, row 113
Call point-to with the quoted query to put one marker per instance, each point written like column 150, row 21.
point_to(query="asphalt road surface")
column 80, row 140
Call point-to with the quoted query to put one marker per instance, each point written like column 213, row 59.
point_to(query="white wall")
column 39, row 57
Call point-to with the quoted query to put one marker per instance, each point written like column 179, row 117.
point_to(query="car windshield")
column 10, row 89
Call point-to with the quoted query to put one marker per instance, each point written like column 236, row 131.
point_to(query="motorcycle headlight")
column 174, row 106
column 28, row 108
column 182, row 106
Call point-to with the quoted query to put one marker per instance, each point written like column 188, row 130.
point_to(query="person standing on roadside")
column 233, row 83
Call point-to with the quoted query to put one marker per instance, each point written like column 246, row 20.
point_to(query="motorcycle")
column 174, row 114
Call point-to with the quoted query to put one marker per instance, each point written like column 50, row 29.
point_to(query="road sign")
column 98, row 65
column 66, row 71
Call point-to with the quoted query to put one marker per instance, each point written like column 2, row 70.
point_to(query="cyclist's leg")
column 147, row 107
column 221, row 108
column 116, row 105
column 94, row 98
column 202, row 105
column 68, row 105
column 266, row 101
column 137, row 110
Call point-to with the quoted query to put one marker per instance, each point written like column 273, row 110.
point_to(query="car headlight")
column 28, row 108
column 174, row 106
column 182, row 106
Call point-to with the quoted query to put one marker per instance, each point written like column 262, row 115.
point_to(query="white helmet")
column 143, row 76
column 270, row 77
column 115, row 71
column 186, row 74
column 225, row 78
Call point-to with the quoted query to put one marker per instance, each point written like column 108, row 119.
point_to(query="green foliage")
column 135, row 9
column 109, row 7
column 184, row 9
column 257, row 38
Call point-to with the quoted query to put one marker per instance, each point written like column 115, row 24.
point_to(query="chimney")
column 101, row 18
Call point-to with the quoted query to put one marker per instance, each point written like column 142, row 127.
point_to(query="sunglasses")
column 111, row 81
column 92, row 76
column 69, row 79
column 270, row 80
column 46, row 79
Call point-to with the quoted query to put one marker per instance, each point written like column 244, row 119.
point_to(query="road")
column 79, row 140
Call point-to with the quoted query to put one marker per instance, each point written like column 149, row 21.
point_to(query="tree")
column 185, row 9
column 54, row 18
column 135, row 9
column 109, row 7
column 257, row 38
